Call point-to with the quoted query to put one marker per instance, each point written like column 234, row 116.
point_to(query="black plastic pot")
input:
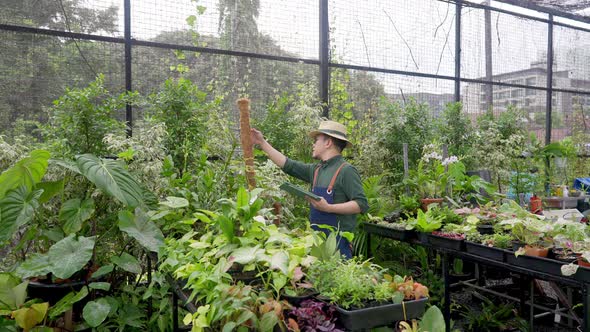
column 368, row 318
column 541, row 264
column 445, row 242
column 296, row 300
column 485, row 229
column 246, row 277
column 423, row 237
column 583, row 274
column 52, row 292
column 389, row 232
column 517, row 245
column 493, row 253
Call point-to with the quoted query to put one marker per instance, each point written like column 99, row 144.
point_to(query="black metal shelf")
column 529, row 273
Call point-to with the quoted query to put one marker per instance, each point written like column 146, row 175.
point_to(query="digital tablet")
column 295, row 190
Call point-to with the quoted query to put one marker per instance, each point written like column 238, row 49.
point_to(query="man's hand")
column 256, row 136
column 350, row 207
column 278, row 158
column 321, row 205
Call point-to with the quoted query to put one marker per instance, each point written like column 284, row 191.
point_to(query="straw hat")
column 333, row 129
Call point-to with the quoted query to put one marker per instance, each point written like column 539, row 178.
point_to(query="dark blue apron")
column 323, row 218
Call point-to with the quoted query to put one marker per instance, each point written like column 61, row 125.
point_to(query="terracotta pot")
column 582, row 261
column 535, row 251
column 427, row 201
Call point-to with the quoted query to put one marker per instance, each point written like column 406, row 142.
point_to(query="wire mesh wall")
column 499, row 56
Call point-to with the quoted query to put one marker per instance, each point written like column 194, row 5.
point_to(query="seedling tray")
column 493, row 253
column 541, row 264
column 371, row 317
column 389, row 232
column 445, row 242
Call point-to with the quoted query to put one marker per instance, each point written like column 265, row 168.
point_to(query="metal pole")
column 586, row 301
column 532, row 303
column 174, row 311
column 548, row 102
column 447, row 295
column 149, row 277
column 458, row 51
column 406, row 166
column 488, row 87
column 128, row 110
column 549, row 81
column 324, row 57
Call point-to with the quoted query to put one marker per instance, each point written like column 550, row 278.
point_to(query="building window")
column 531, row 81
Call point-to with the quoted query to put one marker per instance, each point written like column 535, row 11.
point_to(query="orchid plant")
column 434, row 173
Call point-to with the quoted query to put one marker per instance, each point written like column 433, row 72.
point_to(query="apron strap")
column 315, row 175
column 331, row 186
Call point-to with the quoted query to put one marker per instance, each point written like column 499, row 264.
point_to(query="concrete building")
column 533, row 101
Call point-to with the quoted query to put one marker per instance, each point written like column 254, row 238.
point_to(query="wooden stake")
column 246, row 140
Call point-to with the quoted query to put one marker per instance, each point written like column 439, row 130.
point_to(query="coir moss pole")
column 245, row 139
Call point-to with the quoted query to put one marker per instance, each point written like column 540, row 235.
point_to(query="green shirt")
column 348, row 185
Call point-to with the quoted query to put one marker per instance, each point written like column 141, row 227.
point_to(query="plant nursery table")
column 529, row 268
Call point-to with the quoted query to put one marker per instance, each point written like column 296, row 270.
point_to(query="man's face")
column 319, row 146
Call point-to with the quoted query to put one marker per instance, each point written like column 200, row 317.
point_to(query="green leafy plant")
column 409, row 205
column 491, row 316
column 432, row 321
column 184, row 109
column 425, row 222
column 80, row 119
column 13, row 294
column 498, row 240
column 71, row 254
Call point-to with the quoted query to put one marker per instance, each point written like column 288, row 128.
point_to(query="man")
column 333, row 179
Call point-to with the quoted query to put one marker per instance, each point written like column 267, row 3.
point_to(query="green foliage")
column 500, row 141
column 377, row 196
column 455, row 130
column 80, row 119
column 398, row 124
column 184, row 109
column 63, row 259
column 345, row 283
column 26, row 172
column 491, row 316
column 138, row 226
column 288, row 120
column 426, row 222
column 112, row 177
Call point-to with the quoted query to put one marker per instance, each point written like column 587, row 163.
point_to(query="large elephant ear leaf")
column 139, row 227
column 50, row 189
column 17, row 209
column 26, row 172
column 74, row 213
column 111, row 177
column 69, row 255
column 11, row 291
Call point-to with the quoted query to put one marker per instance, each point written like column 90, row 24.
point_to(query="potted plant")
column 298, row 290
column 67, row 260
column 313, row 315
column 492, row 246
column 241, row 238
column 364, row 295
column 432, row 321
column 425, row 223
column 532, row 234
